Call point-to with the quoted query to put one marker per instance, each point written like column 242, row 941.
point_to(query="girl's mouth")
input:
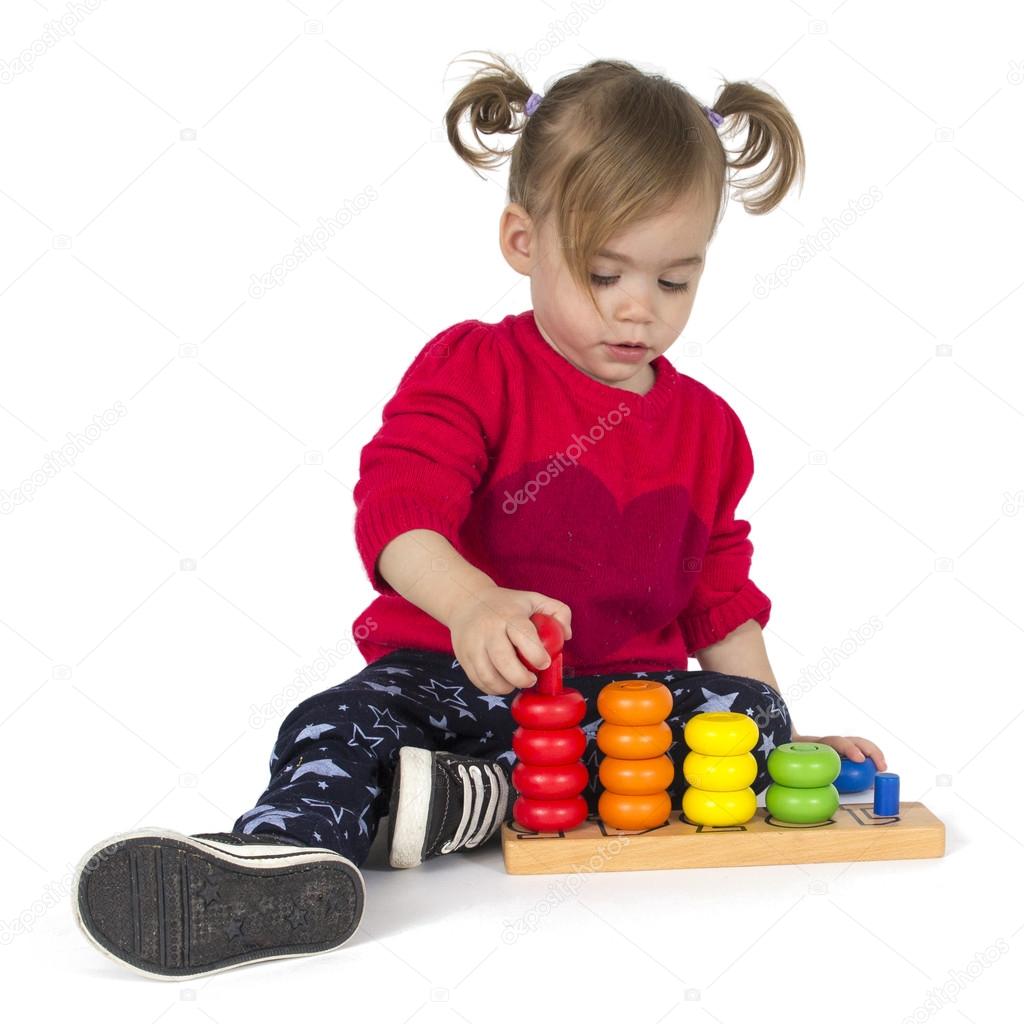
column 626, row 353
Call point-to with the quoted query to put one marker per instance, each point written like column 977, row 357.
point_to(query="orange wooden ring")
column 630, row 812
column 628, row 776
column 634, row 741
column 634, row 702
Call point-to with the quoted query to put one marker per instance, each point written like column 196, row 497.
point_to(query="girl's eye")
column 670, row 286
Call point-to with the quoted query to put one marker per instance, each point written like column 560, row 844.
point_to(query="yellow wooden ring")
column 721, row 732
column 702, row 807
column 719, row 774
column 634, row 741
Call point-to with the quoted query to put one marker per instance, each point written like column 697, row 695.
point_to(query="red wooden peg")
column 549, row 775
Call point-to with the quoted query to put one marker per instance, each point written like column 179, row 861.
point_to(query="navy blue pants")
column 332, row 764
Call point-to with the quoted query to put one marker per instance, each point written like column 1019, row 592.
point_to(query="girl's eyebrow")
column 683, row 261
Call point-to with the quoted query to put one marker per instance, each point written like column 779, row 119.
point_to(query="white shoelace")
column 478, row 821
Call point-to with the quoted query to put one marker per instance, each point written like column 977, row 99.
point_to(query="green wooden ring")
column 804, row 765
column 801, row 806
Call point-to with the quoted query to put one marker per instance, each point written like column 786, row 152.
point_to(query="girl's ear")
column 518, row 238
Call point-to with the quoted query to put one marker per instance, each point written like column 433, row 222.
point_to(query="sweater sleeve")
column 725, row 596
column 420, row 469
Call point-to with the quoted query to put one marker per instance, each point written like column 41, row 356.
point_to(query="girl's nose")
column 634, row 309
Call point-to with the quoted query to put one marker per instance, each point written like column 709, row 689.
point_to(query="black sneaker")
column 173, row 906
column 442, row 802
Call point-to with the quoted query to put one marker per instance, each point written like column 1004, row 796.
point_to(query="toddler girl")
column 553, row 461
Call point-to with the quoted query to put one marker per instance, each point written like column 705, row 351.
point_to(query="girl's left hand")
column 856, row 748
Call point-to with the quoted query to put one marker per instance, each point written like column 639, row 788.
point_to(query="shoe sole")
column 171, row 906
column 407, row 828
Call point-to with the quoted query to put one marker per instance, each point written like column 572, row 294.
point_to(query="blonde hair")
column 609, row 145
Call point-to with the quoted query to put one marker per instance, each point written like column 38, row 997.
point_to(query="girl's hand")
column 488, row 629
column 856, row 748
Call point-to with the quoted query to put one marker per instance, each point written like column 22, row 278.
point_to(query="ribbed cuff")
column 715, row 623
column 391, row 516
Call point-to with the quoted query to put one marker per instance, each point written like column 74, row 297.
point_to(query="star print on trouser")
column 333, row 762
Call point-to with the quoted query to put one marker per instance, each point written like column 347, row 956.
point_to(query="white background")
column 163, row 154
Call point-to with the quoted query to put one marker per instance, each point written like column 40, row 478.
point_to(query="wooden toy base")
column 854, row 833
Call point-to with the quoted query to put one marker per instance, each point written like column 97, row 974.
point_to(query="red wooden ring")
column 549, row 746
column 548, row 711
column 549, row 815
column 549, row 782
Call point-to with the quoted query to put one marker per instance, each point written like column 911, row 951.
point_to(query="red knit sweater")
column 621, row 505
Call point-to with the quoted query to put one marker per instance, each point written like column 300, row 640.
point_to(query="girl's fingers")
column 563, row 621
column 511, row 669
column 559, row 611
column 523, row 633
column 841, row 745
column 858, row 749
column 491, row 679
column 868, row 749
column 872, row 750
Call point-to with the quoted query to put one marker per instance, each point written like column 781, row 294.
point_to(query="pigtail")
column 772, row 133
column 495, row 100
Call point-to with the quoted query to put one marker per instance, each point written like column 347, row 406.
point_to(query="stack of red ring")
column 549, row 775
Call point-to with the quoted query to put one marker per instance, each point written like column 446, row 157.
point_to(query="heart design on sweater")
column 623, row 572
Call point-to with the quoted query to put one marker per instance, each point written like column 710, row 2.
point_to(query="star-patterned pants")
column 332, row 764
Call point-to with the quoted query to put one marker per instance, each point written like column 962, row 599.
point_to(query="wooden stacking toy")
column 720, row 768
column 549, row 775
column 740, row 833
column 634, row 736
column 802, row 790
column 720, row 824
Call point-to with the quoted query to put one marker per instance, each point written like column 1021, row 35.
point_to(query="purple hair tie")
column 713, row 116
column 532, row 102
